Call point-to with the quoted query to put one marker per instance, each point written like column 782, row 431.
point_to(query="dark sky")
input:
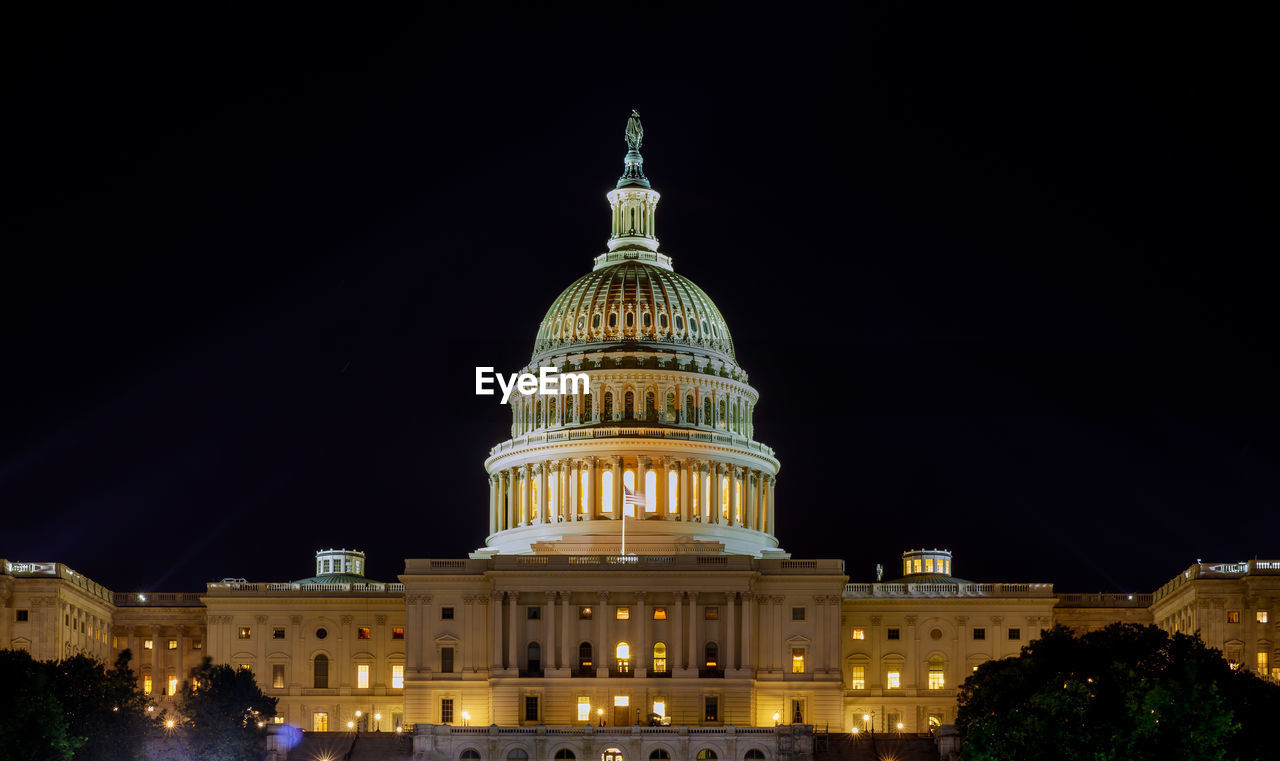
column 1001, row 281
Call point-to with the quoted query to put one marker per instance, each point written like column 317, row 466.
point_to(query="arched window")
column 629, row 484
column 733, row 415
column 679, row 323
column 706, row 754
column 673, row 491
column 650, row 406
column 629, row 406
column 631, row 320
column 595, row 321
column 706, row 411
column 623, row 653
column 671, row 406
column 651, row 490
column 660, row 755
column 470, row 754
column 755, row 754
column 712, row 652
column 646, row 320
column 584, row 656
column 582, row 322
column 535, row 656
column 724, row 497
column 320, row 672
column 564, row 754
column 606, row 492
column 723, row 415
column 584, row 409
column 662, row 320
column 613, row 319
column 659, row 657
column 937, row 680
column 582, row 491
column 517, row 753
column 608, row 405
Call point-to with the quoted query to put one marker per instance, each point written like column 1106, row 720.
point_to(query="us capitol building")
column 552, row 631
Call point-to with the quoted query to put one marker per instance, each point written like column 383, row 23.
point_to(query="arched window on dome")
column 671, row 407
column 662, row 321
column 629, row 484
column 551, row 412
column 724, row 497
column 693, row 327
column 679, row 324
column 703, row 325
column 537, row 413
column 608, row 405
column 595, row 321
column 673, row 491
column 650, row 407
column 690, row 411
column 613, row 320
column 646, row 321
column 582, row 322
column 606, row 493
column 733, row 416
column 723, row 414
column 629, row 406
column 651, row 490
column 584, row 408
column 630, row 321
column 706, row 412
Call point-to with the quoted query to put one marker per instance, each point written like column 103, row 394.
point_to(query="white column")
column 493, row 505
column 748, row 624
column 602, row 648
column 664, row 489
column 544, row 505
column 617, row 488
column 730, row 653
column 566, row 646
column 677, row 634
column 591, row 488
column 642, row 642
column 773, row 514
column 495, row 630
column 686, row 489
column 695, row 648
column 735, row 514
column 575, row 478
column 549, row 661
column 564, row 492
column 819, row 658
column 512, row 663
column 526, row 492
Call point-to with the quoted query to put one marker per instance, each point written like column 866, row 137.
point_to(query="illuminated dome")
column 633, row 305
column 653, row 453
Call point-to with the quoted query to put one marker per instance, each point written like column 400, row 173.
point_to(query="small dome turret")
column 926, row 563
column 338, row 566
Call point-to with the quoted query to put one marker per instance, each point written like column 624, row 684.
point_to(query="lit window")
column 1262, row 662
column 584, row 614
column 197, row 644
column 624, row 613
column 584, row 708
column 858, row 677
column 936, row 679
column 172, row 644
column 797, row 711
column 928, row 565
column 797, row 660
column 659, row 658
column 859, row 633
column 244, row 666
column 148, row 644
column 712, row 613
column 397, row 632
column 917, row 565
column 245, row 632
column 621, row 701
column 362, row 676
column 623, row 651
column 397, row 676
column 660, row 614
column 894, row 680
column 1233, row 616
column 277, row 676
column 146, row 684
column 1261, row 616
column 660, row 706
column 173, row 686
column 363, row 632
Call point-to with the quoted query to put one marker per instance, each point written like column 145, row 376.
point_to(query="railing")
column 242, row 586
column 159, row 599
column 1218, row 571
column 638, row 431
column 1106, row 600
column 933, row 589
column 611, row 562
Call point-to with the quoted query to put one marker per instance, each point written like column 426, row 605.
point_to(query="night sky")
column 1004, row 283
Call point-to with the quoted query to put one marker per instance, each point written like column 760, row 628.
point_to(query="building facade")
column 631, row 576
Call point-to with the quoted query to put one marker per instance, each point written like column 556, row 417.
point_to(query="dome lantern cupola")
column 350, row 562
column 926, row 562
column 633, row 202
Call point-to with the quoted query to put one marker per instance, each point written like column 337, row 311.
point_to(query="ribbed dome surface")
column 634, row 302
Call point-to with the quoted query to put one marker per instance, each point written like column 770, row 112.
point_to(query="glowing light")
column 866, row 717
column 150, row 709
column 359, row 714
column 351, row 725
column 899, row 726
column 855, row 730
column 261, row 724
column 399, row 729
column 169, row 723
column 378, row 716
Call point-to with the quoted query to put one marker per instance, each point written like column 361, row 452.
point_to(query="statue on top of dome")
column 635, row 131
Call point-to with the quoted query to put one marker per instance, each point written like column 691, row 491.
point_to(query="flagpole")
column 624, row 533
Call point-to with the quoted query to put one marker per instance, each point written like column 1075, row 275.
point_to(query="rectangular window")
column 1015, row 633
column 277, row 632
column 892, row 633
column 584, row 708
column 533, row 613
column 277, row 676
column 172, row 644
column 446, row 660
column 319, row 722
column 797, row 614
column 1233, row 616
column 244, row 667
column 363, row 632
column 197, row 644
column 623, row 614
column 859, row 633
column 711, row 708
column 584, row 614
column 397, row 632
column 621, row 701
column 1262, row 662
column 659, row 614
column 246, row 632
column 446, row 710
column 797, row 711
column 936, row 680
column 712, row 613
column 893, row 722
column 146, row 684
column 797, row 660
column 530, row 707
column 1261, row 616
column 173, row 686
column 446, row 613
column 397, row 676
column 23, row 615
column 362, row 676
column 858, row 677
column 894, row 680
column 979, row 632
column 148, row 644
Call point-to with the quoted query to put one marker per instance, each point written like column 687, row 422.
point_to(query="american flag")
column 633, row 498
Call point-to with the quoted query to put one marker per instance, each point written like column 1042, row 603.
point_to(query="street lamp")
column 466, row 719
column 377, row 717
column 899, row 729
column 776, row 718
column 600, row 715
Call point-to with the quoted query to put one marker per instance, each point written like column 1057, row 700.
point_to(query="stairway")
column 381, row 746
column 844, row 747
